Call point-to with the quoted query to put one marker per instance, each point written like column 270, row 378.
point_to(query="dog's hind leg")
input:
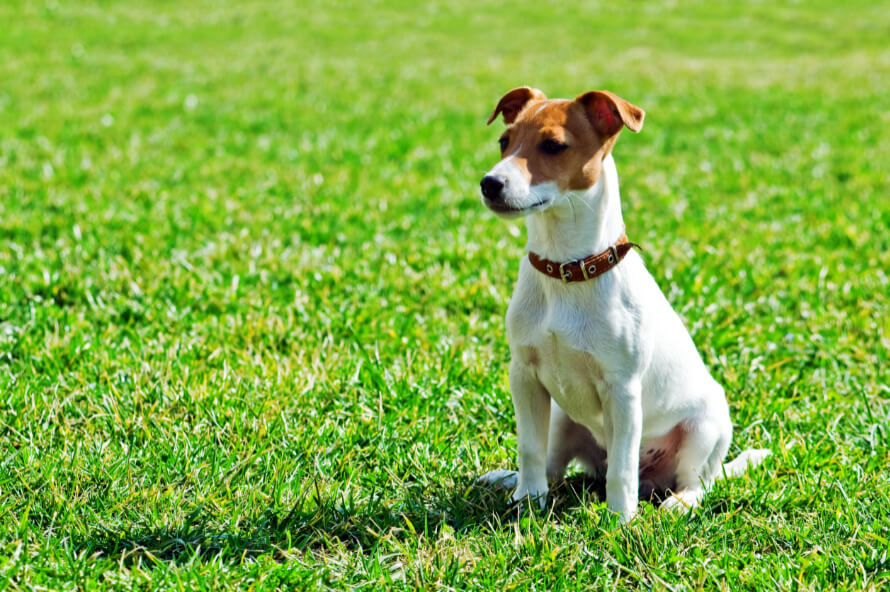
column 699, row 459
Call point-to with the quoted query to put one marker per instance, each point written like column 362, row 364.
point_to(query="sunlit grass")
column 251, row 310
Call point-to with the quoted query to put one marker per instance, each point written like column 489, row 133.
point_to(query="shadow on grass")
column 358, row 527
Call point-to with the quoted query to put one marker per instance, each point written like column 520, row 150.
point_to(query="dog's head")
column 551, row 147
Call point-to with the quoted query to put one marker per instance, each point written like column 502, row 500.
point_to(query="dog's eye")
column 503, row 142
column 552, row 147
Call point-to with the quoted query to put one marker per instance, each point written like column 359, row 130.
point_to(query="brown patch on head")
column 562, row 141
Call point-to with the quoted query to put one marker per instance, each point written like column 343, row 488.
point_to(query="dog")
column 602, row 369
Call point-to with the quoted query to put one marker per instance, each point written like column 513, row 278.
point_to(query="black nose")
column 492, row 187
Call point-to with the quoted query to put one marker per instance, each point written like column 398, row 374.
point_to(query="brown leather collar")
column 584, row 269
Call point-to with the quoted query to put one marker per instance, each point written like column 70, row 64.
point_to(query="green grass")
column 251, row 309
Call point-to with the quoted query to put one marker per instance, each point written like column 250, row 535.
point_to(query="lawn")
column 251, row 307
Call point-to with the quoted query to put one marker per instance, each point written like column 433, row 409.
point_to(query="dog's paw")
column 501, row 479
column 625, row 506
column 530, row 491
column 521, row 498
column 682, row 501
column 627, row 516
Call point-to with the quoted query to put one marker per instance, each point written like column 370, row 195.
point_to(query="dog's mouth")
column 511, row 211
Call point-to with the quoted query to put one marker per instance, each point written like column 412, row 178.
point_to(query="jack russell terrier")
column 602, row 370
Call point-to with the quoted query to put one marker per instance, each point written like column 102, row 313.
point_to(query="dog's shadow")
column 465, row 507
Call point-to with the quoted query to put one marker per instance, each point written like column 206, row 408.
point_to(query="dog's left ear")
column 608, row 112
column 514, row 101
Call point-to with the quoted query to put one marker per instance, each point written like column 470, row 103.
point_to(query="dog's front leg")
column 531, row 403
column 626, row 426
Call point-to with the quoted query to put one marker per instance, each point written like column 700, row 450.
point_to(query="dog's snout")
column 492, row 187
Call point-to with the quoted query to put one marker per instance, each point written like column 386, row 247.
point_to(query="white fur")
column 517, row 194
column 609, row 354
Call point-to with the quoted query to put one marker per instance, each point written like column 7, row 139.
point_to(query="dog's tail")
column 749, row 458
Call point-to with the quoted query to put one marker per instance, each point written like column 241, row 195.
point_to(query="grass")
column 251, row 309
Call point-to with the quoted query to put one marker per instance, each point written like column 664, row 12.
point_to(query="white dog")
column 603, row 370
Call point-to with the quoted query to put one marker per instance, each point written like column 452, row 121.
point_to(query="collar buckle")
column 565, row 274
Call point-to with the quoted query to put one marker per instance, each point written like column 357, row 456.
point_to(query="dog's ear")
column 608, row 112
column 513, row 102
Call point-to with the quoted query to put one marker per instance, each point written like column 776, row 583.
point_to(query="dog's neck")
column 584, row 223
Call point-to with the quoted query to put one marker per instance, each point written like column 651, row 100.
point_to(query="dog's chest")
column 572, row 376
column 569, row 339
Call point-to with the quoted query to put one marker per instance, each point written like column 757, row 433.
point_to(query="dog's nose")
column 492, row 187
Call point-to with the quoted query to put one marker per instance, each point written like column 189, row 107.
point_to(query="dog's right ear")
column 513, row 102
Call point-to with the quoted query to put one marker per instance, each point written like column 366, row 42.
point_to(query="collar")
column 587, row 268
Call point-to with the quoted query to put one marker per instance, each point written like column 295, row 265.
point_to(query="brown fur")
column 589, row 125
